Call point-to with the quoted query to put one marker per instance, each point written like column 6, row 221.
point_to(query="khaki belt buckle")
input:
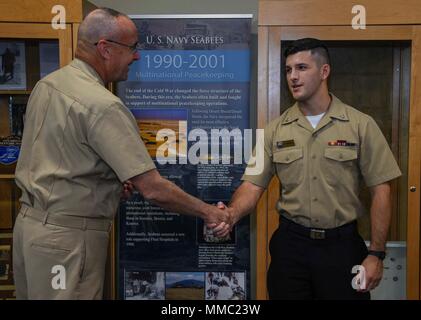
column 317, row 234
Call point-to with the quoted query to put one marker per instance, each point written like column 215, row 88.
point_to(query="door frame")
column 274, row 27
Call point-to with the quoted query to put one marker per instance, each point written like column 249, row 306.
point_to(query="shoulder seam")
column 73, row 98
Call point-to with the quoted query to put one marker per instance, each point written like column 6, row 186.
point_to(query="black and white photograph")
column 12, row 65
column 144, row 285
column 17, row 110
column 225, row 286
column 205, row 235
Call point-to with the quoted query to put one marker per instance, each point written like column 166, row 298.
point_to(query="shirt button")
column 313, row 156
column 314, row 178
column 314, row 199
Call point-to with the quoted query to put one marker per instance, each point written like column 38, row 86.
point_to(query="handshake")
column 221, row 219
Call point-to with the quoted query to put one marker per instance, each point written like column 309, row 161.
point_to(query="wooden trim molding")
column 337, row 13
column 40, row 11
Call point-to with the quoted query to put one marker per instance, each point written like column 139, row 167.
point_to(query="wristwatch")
column 379, row 254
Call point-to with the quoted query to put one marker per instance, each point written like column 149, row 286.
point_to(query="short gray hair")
column 99, row 24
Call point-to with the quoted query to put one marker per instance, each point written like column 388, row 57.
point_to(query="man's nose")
column 136, row 55
column 293, row 74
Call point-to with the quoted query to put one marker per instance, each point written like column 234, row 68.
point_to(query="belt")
column 75, row 222
column 317, row 233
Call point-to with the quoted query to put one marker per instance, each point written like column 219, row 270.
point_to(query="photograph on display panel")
column 144, row 285
column 225, row 286
column 184, row 285
column 12, row 65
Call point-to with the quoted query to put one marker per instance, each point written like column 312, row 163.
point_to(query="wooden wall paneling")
column 27, row 31
column 40, row 10
column 4, row 117
column 32, row 63
column 339, row 12
column 66, row 45
column 404, row 138
column 413, row 281
column 75, row 29
column 347, row 33
column 262, row 247
column 261, row 209
column 6, row 206
column 414, row 171
column 274, row 112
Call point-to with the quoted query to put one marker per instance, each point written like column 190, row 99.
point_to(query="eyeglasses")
column 133, row 48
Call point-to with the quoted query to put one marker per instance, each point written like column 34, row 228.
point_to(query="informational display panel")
column 189, row 93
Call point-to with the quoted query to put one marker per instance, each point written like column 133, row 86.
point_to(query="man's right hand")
column 226, row 222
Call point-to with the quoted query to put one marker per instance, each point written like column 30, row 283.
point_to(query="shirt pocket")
column 340, row 165
column 289, row 166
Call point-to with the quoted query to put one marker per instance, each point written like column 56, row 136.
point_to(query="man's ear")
column 104, row 49
column 325, row 71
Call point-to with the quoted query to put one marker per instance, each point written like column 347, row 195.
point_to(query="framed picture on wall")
column 12, row 65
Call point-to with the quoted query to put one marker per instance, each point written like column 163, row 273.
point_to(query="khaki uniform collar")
column 336, row 110
column 87, row 69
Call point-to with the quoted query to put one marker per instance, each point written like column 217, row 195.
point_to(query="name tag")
column 285, row 144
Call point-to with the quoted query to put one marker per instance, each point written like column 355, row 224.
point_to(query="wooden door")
column 271, row 81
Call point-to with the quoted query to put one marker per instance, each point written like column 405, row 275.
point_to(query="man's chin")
column 297, row 96
column 122, row 78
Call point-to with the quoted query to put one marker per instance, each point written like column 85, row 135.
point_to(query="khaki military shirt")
column 79, row 143
column 320, row 169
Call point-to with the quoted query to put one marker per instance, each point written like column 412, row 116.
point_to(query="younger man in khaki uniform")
column 320, row 148
column 80, row 143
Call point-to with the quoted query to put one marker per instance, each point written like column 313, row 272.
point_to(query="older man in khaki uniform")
column 80, row 143
column 321, row 149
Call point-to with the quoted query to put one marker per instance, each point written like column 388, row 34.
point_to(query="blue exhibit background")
column 168, row 68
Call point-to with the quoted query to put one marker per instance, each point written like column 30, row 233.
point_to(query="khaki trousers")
column 52, row 261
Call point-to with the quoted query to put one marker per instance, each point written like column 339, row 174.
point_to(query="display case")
column 375, row 68
column 30, row 48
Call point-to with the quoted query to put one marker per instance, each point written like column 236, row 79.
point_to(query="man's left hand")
column 373, row 272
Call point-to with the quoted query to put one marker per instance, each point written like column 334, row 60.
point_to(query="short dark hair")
column 314, row 45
